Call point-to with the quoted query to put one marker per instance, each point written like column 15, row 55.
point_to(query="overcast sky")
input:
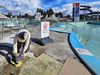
column 29, row 6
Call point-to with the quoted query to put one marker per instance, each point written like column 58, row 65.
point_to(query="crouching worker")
column 21, row 44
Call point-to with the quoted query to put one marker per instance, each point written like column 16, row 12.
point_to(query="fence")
column 12, row 25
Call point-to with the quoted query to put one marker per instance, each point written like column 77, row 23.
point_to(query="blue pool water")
column 62, row 27
column 89, row 35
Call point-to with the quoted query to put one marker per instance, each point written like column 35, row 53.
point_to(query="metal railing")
column 9, row 26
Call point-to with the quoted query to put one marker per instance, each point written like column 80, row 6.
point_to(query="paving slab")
column 72, row 67
column 42, row 65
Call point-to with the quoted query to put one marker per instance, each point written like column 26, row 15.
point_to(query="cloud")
column 96, row 3
column 22, row 6
column 66, row 9
column 30, row 6
column 36, row 3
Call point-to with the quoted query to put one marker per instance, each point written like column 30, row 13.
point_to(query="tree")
column 68, row 16
column 59, row 14
column 50, row 12
column 26, row 15
column 37, row 10
column 9, row 14
column 44, row 13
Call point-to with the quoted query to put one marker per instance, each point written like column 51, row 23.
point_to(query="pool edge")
column 93, row 67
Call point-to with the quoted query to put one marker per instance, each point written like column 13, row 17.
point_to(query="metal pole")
column 2, row 30
column 19, row 22
column 75, row 17
column 98, row 16
column 84, row 19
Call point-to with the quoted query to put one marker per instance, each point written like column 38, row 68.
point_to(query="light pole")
column 84, row 18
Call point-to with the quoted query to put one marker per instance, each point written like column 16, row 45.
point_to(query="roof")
column 2, row 16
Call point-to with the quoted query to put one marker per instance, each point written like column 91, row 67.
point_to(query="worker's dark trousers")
column 20, row 51
column 22, row 44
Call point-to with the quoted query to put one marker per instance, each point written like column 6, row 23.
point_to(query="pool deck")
column 72, row 67
column 59, row 50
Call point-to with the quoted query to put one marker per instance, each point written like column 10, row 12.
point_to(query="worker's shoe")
column 18, row 64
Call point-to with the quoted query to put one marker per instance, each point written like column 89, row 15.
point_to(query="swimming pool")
column 89, row 35
column 62, row 27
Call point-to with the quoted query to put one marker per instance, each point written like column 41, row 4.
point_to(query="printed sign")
column 83, row 51
column 76, row 9
column 45, row 29
column 38, row 16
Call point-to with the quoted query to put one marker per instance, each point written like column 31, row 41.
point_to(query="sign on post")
column 76, row 10
column 45, row 29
